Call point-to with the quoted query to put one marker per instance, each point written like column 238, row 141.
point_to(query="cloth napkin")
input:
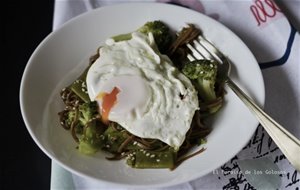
column 275, row 42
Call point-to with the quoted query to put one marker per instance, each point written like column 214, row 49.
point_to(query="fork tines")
column 201, row 48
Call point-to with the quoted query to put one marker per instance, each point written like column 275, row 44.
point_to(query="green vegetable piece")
column 79, row 86
column 87, row 111
column 69, row 120
column 161, row 33
column 201, row 141
column 122, row 37
column 92, row 139
column 114, row 139
column 151, row 159
column 203, row 73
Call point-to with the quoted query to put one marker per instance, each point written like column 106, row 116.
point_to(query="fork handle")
column 287, row 143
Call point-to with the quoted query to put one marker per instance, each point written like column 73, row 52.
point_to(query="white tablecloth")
column 275, row 42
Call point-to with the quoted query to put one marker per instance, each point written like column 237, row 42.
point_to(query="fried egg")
column 141, row 90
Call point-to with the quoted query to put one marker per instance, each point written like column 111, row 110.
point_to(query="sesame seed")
column 107, row 146
column 148, row 154
column 157, row 160
column 134, row 143
column 152, row 156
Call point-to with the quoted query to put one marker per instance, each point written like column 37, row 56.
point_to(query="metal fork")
column 201, row 48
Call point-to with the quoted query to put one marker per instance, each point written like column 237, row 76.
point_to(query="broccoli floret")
column 203, row 73
column 161, row 33
column 87, row 111
column 92, row 138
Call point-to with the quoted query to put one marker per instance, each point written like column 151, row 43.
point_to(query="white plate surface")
column 59, row 59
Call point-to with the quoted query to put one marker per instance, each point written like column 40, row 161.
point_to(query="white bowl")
column 59, row 59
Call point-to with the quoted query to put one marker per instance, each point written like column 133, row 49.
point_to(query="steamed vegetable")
column 92, row 139
column 204, row 75
column 92, row 129
column 81, row 115
column 87, row 111
column 79, row 86
column 83, row 121
column 160, row 31
column 152, row 159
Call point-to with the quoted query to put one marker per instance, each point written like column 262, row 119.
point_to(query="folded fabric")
column 275, row 43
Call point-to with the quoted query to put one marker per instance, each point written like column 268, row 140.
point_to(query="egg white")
column 155, row 99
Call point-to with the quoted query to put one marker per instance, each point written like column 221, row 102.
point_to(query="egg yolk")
column 108, row 101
